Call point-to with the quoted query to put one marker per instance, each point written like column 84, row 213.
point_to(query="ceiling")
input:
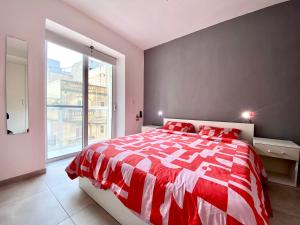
column 148, row 23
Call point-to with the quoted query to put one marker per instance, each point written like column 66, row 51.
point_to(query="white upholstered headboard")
column 246, row 128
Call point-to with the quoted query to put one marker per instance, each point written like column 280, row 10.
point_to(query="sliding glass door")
column 99, row 100
column 72, row 79
column 64, row 100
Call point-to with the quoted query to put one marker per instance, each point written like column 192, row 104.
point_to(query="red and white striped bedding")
column 169, row 177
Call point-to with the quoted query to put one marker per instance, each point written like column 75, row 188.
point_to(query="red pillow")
column 232, row 133
column 179, row 126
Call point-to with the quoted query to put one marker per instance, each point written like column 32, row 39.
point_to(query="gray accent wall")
column 250, row 62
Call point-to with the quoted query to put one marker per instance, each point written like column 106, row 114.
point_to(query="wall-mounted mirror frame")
column 16, row 85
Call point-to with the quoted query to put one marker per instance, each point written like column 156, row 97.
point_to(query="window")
column 99, row 93
column 64, row 100
column 68, row 129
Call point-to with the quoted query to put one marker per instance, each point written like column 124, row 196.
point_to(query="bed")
column 168, row 177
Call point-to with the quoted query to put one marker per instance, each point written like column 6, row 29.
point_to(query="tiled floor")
column 50, row 199
column 53, row 199
column 285, row 202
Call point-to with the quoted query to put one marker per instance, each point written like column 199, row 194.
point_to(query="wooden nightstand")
column 149, row 127
column 281, row 159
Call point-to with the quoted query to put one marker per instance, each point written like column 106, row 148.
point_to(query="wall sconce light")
column 248, row 115
column 160, row 113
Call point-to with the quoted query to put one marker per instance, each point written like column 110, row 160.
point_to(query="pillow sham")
column 179, row 126
column 220, row 132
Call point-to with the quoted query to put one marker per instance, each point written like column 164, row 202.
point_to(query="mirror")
column 16, row 86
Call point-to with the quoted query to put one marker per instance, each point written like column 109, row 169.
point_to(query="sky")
column 66, row 56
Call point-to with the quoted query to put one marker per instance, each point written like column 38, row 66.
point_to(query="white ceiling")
column 148, row 23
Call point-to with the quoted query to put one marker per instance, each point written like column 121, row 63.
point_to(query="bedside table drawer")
column 277, row 151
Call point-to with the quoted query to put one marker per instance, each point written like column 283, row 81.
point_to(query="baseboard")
column 22, row 177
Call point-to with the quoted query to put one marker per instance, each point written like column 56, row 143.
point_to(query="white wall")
column 24, row 153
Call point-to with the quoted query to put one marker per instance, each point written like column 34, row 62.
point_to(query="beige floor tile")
column 281, row 218
column 40, row 209
column 66, row 222
column 93, row 215
column 285, row 199
column 56, row 175
column 22, row 189
column 71, row 197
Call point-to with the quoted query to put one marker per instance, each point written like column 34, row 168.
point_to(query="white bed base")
column 107, row 200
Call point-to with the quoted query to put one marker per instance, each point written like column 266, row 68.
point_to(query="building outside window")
column 65, row 102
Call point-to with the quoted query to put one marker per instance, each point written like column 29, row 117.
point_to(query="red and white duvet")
column 170, row 178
